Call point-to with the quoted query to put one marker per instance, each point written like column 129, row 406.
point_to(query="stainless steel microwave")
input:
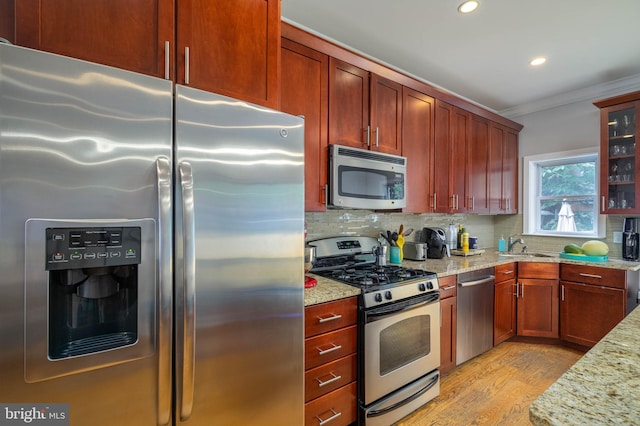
column 362, row 179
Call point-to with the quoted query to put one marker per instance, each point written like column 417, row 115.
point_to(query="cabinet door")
column 538, row 305
column 504, row 314
column 386, row 115
column 461, row 133
column 510, row 173
column 306, row 76
column 119, row 33
column 497, row 138
column 619, row 159
column 478, row 197
column 588, row 312
column 442, row 157
column 417, row 146
column 348, row 105
column 231, row 48
column 448, row 334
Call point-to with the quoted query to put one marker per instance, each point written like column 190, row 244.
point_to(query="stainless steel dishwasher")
column 474, row 314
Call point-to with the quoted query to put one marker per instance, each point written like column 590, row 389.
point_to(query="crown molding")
column 598, row 91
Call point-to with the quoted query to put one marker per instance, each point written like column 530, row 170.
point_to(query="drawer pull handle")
column 333, row 417
column 591, row 276
column 333, row 378
column 333, row 317
column 334, row 347
column 507, row 272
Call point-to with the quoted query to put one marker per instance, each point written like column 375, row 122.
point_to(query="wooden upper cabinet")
column 478, row 151
column 510, row 172
column 385, row 115
column 460, row 159
column 503, row 169
column 119, row 33
column 365, row 110
column 305, row 76
column 417, row 146
column 348, row 104
column 231, row 48
column 443, row 147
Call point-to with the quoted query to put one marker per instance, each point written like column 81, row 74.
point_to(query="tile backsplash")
column 488, row 229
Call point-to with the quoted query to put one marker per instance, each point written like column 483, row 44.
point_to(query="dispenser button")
column 115, row 254
column 57, row 257
column 75, row 256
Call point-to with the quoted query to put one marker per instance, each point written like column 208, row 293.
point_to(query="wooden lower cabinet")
column 593, row 301
column 505, row 302
column 538, row 300
column 448, row 300
column 337, row 408
column 330, row 363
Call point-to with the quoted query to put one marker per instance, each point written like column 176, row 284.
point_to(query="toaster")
column 414, row 251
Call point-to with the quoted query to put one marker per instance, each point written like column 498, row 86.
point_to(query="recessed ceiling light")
column 538, row 61
column 468, row 6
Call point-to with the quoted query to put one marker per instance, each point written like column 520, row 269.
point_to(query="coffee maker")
column 630, row 239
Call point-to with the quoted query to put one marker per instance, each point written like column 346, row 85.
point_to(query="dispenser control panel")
column 73, row 248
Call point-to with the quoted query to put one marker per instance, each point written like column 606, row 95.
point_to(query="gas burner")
column 342, row 275
column 403, row 273
column 366, row 280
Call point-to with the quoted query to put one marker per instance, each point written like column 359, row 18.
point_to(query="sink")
column 526, row 255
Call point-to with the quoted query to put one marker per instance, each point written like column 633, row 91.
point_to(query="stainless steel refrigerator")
column 151, row 250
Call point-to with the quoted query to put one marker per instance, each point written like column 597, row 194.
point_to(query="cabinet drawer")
column 448, row 286
column 339, row 405
column 593, row 275
column 505, row 272
column 329, row 346
column 538, row 270
column 329, row 377
column 330, row 316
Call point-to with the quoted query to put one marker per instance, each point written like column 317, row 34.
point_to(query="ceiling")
column 483, row 56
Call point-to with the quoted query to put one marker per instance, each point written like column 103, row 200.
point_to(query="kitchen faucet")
column 513, row 242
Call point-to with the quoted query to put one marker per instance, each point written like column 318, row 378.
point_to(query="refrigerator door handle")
column 165, row 294
column 188, row 231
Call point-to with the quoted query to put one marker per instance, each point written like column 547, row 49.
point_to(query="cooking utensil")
column 400, row 244
column 407, row 232
column 382, row 234
column 309, row 260
column 394, row 237
column 401, row 229
column 392, row 242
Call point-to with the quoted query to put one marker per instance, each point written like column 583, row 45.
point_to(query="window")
column 561, row 195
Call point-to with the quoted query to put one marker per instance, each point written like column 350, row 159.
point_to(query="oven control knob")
column 378, row 297
column 422, row 287
column 387, row 295
column 430, row 285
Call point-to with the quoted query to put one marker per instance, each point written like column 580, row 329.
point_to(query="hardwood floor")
column 496, row 387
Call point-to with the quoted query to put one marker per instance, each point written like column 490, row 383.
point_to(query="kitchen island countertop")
column 601, row 388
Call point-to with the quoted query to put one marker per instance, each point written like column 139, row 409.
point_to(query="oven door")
column 401, row 344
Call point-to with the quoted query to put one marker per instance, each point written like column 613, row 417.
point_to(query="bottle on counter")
column 502, row 244
column 459, row 244
column 465, row 241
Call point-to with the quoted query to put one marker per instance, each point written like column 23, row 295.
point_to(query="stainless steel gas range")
column 398, row 328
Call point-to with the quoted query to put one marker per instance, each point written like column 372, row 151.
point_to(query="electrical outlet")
column 617, row 237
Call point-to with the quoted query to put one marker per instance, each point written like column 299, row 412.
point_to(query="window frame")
column 530, row 191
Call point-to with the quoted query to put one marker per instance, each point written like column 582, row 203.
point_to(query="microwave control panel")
column 73, row 248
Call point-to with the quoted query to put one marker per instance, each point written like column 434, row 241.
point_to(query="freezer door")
column 239, row 262
column 78, row 148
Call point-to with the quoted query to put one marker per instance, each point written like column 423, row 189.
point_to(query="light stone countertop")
column 328, row 290
column 602, row 388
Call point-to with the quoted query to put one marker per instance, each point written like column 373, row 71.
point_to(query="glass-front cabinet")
column 619, row 158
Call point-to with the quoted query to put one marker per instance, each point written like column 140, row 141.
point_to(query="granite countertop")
column 602, row 387
column 328, row 290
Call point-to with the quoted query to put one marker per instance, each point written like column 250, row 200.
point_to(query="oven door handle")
column 393, row 309
column 380, row 412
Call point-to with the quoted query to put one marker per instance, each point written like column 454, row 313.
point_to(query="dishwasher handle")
column 485, row 280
